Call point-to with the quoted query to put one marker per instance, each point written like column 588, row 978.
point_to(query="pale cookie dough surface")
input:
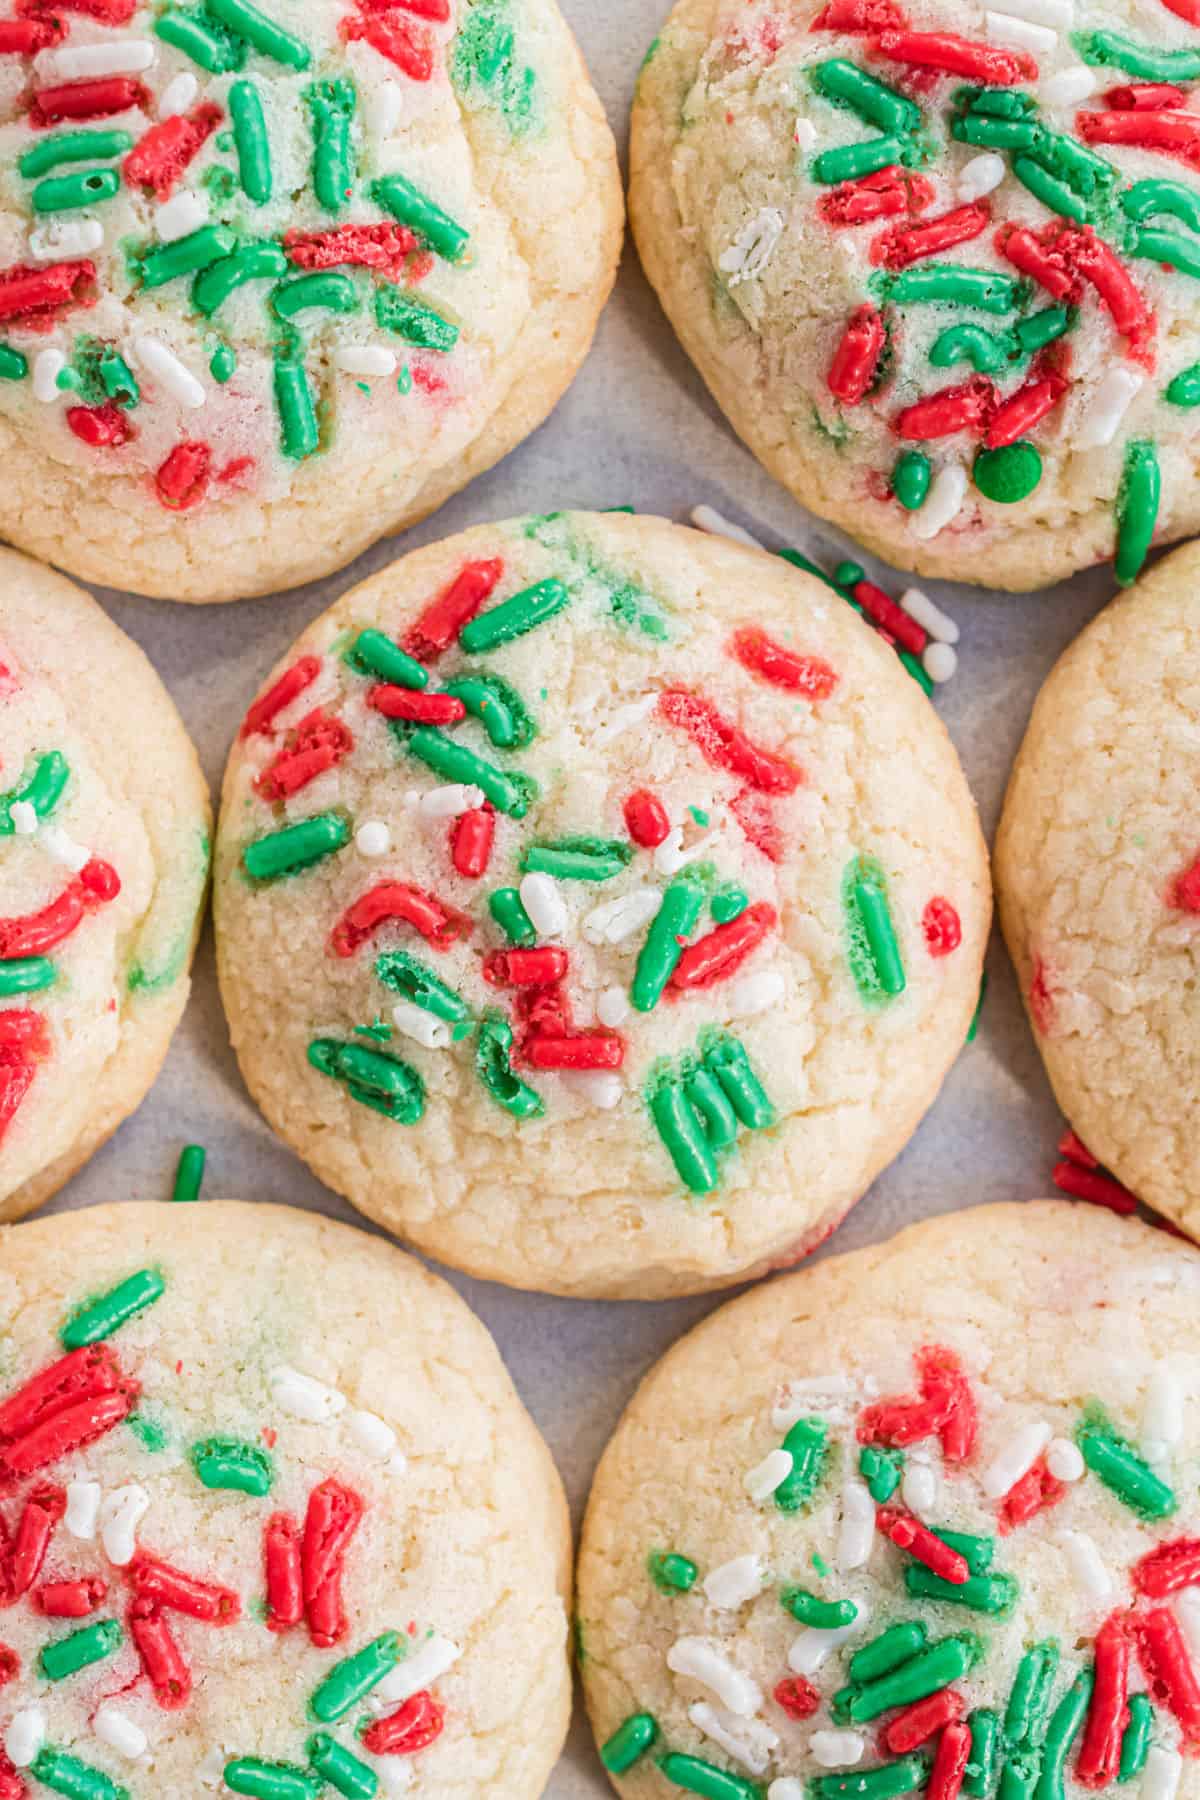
column 1054, row 1318
column 580, row 1194
column 1100, row 923
column 331, row 1359
column 727, row 204
column 87, row 1009
column 422, row 369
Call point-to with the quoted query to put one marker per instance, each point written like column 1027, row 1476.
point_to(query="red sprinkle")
column 318, row 743
column 439, row 924
column 950, row 1763
column 856, row 360
column 725, row 745
column 893, row 619
column 1100, row 1190
column 1100, row 1750
column 946, row 1409
column 70, row 1599
column 25, row 37
column 442, row 620
column 181, row 479
column 580, row 1050
column 82, row 1374
column 410, row 49
column 103, row 427
column 111, row 12
column 860, row 16
column 1036, row 1492
column 1100, row 266
column 1076, row 1151
column 385, row 247
column 12, row 1786
column 281, row 1556
column 472, row 836
column 918, row 1722
column 23, row 1563
column 1184, row 893
column 1167, row 1568
column 10, row 1666
column 909, row 1534
column 753, row 813
column 885, row 194
column 1041, row 997
column 1018, row 415
column 968, row 406
column 798, row 1697
column 411, row 1728
column 161, row 154
column 1172, row 1680
column 98, row 99
column 807, row 675
column 290, row 685
column 910, row 243
column 26, row 291
column 953, row 55
column 1174, row 133
column 152, row 1579
column 1043, row 263
column 1146, row 96
column 162, row 1660
column 333, row 1516
column 1187, row 10
column 717, row 955
column 72, row 1428
column 525, row 968
column 942, row 926
column 34, row 933
column 417, row 705
column 646, row 819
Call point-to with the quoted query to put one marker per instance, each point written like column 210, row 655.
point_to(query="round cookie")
column 1099, row 884
column 904, row 1520
column 104, row 844
column 619, row 950
column 937, row 264
column 276, row 281
column 285, row 1522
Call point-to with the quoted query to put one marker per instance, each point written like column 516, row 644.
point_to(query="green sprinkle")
column 728, row 904
column 332, row 105
column 508, row 910
column 203, row 38
column 1184, row 389
column 1029, row 1701
column 872, row 948
column 296, row 847
column 629, row 1743
column 725, row 1058
column 676, row 918
column 63, row 193
column 262, row 34
column 996, row 134
column 949, row 283
column 265, row 1780
column 672, row 1573
column 72, row 146
column 913, row 471
column 263, row 260
column 149, row 1433
column 1110, row 50
column 1120, row 1467
column 682, row 1130
column 976, row 1552
column 1008, row 474
column 299, row 434
column 1049, row 189
column 422, row 215
column 1135, row 1740
column 1065, row 1723
column 938, row 1666
column 810, row 1609
column 117, row 379
column 328, row 289
column 578, row 859
column 222, row 363
column 1137, row 508
column 820, row 1565
column 101, row 1317
column 807, row 1443
column 981, row 1593
column 973, row 1029
column 185, row 256
column 352, row 1679
column 883, row 1783
column 498, row 707
column 484, row 61
column 876, row 103
column 1019, row 1776
column 509, row 791
column 372, row 653
column 91, row 1644
column 984, row 1754
column 189, row 1174
column 704, row 1778
column 890, row 1650
column 411, row 979
column 1151, row 198
column 228, row 1462
column 341, row 1768
column 493, row 1065
column 514, row 617
column 713, row 1108
column 1170, row 247
column 880, row 1469
column 384, row 1083
column 1041, row 328
column 76, row 1779
column 26, row 975
column 13, row 365
column 1073, row 163
column 42, row 791
column 997, row 103
column 850, row 161
column 251, row 141
column 414, row 321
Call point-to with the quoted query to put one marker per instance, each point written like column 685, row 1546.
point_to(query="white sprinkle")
column 749, row 1741
column 919, row 1488
column 48, row 365
column 25, row 1736
column 837, row 1749
column 371, row 1433
column 1087, row 1566
column 616, row 920
column 612, row 1006
column 700, row 1661
column 24, row 817
column 304, row 1397
column 766, row 1476
column 120, row 1516
column 928, row 614
column 211, row 1767
column 939, row 662
column 395, row 1776
column 178, row 94
column 1107, row 407
column 753, row 247
column 946, row 495
column 788, row 1787
column 365, row 359
column 980, row 175
column 595, row 1087
column 1000, row 27
column 857, row 1533
column 83, row 1508
column 447, row 802
column 734, row 1583
column 1069, row 86
column 1162, row 1415
column 1016, row 1459
column 373, row 838
column 63, row 849
column 1186, row 1607
column 707, row 518
column 1057, row 15
column 671, row 856
column 65, row 238
column 797, row 1399
column 1064, row 1460
column 165, row 367
column 1160, row 1777
column 397, row 1465
column 384, row 106
column 805, row 134
column 810, row 1649
column 81, row 62
column 755, row 994
column 625, row 719
column 119, row 1732
column 421, row 1026
column 420, row 1670
column 183, row 213
column 542, row 899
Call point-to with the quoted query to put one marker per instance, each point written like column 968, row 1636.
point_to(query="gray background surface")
column 636, row 429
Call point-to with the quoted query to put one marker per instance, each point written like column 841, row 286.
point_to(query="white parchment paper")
column 636, row 429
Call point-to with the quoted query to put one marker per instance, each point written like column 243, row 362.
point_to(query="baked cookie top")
column 275, row 281
column 938, row 263
column 276, row 1521
column 923, row 1517
column 599, row 904
column 104, row 842
column 1100, row 887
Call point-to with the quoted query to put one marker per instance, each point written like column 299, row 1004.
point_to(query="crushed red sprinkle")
column 181, row 479
column 317, row 744
column 161, row 154
column 1036, row 1492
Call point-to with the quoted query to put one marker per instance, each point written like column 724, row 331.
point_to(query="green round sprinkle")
column 628, row 1743
column 26, row 975
column 42, row 791
column 849, row 574
column 850, row 161
column 422, row 215
column 984, row 1754
column 76, row 1779
column 682, row 1131
column 726, row 1059
column 952, row 284
column 341, row 1768
column 260, row 261
column 810, row 1609
column 578, row 859
column 1137, row 514
column 980, row 1593
column 203, row 38
column 72, row 146
column 705, row 1779
column 352, row 1679
column 498, row 707
column 373, row 653
column 186, row 255
column 296, row 847
column 332, row 105
column 299, row 432
column 1170, row 247
column 1041, row 328
column 659, row 956
column 509, row 791
column 1117, row 1464
column 1151, row 198
column 892, row 1648
column 13, row 365
column 493, row 1065
column 672, row 1573
column 101, row 1317
column 189, row 1174
column 414, row 321
column 728, row 904
column 251, row 141
column 262, row 34
column 227, row 1462
column 807, row 1445
column 1111, row 50
column 913, row 471
column 386, row 1084
column 938, row 1666
column 405, row 976
column 873, row 101
column 713, row 1107
column 508, row 910
column 328, row 289
column 62, row 193
column 1047, row 188
column 883, row 1783
column 1135, row 1741
column 264, row 1780
column 880, row 1469
column 514, row 617
column 1029, row 1701
column 66, row 1656
column 1184, row 390
column 1008, row 474
column 222, row 363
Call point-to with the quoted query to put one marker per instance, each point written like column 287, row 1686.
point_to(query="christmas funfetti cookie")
column 922, row 1520
column 278, row 279
column 276, row 1523
column 599, row 904
column 1099, row 884
column 938, row 262
column 104, row 838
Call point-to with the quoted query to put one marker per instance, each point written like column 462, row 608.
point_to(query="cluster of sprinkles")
column 699, row 936
column 1073, row 1711
column 1005, row 333
column 71, row 1405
